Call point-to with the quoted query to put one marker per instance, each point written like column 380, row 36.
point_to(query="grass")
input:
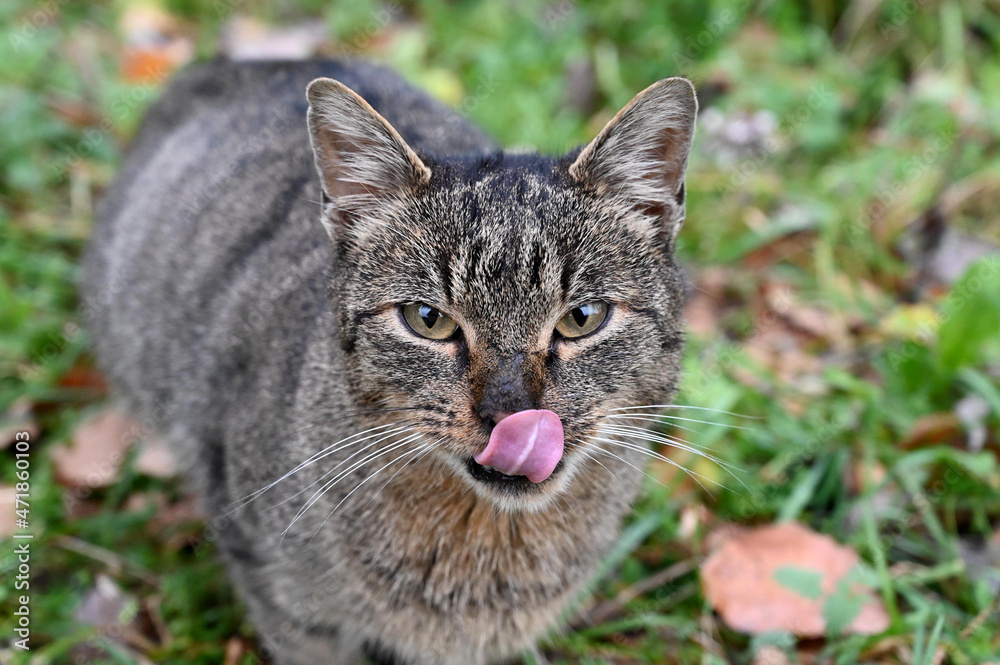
column 818, row 327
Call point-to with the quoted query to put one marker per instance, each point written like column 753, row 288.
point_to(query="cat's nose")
column 504, row 384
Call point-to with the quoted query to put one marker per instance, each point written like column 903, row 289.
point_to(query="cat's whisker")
column 598, row 449
column 318, row 494
column 658, row 420
column 694, row 475
column 393, row 445
column 672, row 418
column 578, row 446
column 383, row 436
column 417, row 449
column 329, row 450
column 685, row 406
column 425, row 449
column 656, row 437
column 653, row 437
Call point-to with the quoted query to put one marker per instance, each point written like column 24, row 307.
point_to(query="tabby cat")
column 390, row 354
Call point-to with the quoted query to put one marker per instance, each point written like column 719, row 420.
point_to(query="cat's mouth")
column 503, row 482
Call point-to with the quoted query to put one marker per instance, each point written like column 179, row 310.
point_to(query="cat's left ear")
column 361, row 158
column 640, row 156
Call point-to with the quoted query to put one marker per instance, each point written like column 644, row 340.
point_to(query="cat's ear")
column 361, row 159
column 640, row 156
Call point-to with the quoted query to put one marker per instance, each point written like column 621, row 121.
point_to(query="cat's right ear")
column 361, row 159
column 640, row 156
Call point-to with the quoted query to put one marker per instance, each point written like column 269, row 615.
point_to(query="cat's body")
column 253, row 340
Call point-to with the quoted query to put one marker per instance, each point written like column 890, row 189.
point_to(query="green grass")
column 879, row 116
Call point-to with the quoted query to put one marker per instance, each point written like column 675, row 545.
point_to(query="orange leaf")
column 741, row 582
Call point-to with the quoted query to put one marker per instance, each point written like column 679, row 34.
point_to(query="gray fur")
column 252, row 340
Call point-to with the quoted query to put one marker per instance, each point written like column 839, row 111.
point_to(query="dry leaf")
column 933, row 429
column 8, row 525
column 236, row 648
column 155, row 459
column 99, row 447
column 771, row 655
column 703, row 310
column 247, row 38
column 748, row 582
column 157, row 44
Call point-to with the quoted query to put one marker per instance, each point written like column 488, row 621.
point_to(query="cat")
column 387, row 351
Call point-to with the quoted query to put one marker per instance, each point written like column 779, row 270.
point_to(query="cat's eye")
column 583, row 320
column 428, row 321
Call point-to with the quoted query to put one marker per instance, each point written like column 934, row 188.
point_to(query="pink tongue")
column 527, row 443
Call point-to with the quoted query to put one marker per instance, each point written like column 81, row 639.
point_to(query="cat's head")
column 470, row 289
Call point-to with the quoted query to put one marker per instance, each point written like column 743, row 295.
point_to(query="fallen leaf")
column 704, row 308
column 85, row 377
column 156, row 44
column 236, row 648
column 155, row 459
column 75, row 112
column 99, row 447
column 771, row 655
column 248, row 38
column 933, row 429
column 786, row 577
column 7, row 524
column 153, row 65
column 118, row 616
column 779, row 349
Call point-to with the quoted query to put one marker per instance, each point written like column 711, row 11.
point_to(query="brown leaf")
column 153, row 65
column 74, row 112
column 155, row 459
column 99, row 447
column 247, row 38
column 771, row 655
column 933, row 429
column 8, row 525
column 740, row 582
column 236, row 648
column 86, row 377
column 704, row 309
column 157, row 44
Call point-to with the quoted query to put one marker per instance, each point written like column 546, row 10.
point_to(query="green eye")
column 429, row 322
column 583, row 320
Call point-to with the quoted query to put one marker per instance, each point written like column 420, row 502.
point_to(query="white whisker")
column 671, row 418
column 648, row 435
column 425, row 449
column 358, row 486
column 649, row 453
column 382, row 436
column 684, row 406
column 578, row 446
column 329, row 450
column 653, row 437
column 597, row 449
column 343, row 474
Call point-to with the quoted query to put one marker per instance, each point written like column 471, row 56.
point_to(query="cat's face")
column 487, row 287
